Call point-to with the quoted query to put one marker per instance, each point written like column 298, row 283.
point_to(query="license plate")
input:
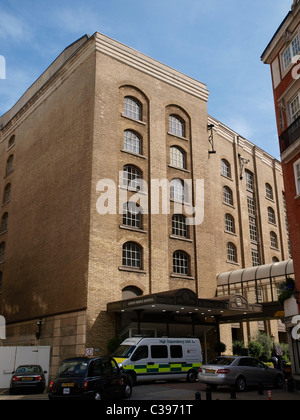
column 68, row 385
column 209, row 371
column 27, row 379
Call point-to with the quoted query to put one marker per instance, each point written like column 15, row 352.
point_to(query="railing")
column 289, row 136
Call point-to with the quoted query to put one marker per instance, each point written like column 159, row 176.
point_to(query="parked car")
column 239, row 371
column 90, row 378
column 28, row 377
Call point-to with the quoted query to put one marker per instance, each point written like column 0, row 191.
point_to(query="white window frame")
column 297, row 176
column 294, row 113
column 290, row 52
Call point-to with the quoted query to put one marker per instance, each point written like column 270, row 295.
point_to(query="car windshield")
column 223, row 361
column 75, row 368
column 124, row 351
column 29, row 369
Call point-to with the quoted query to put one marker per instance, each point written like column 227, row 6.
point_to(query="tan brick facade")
column 63, row 260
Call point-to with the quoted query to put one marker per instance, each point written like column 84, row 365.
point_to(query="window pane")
column 177, row 190
column 132, row 255
column 226, row 168
column 180, row 263
column 179, row 226
column 176, row 126
column 231, row 252
column 132, row 108
column 132, row 143
column 132, row 178
column 229, row 223
column 159, row 352
column 227, row 196
column 132, row 215
column 177, row 157
column 269, row 192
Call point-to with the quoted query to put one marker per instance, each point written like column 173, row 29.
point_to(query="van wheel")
column 191, row 376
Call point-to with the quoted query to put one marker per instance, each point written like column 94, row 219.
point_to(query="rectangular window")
column 176, row 352
column 297, row 176
column 295, row 108
column 159, row 352
column 292, row 50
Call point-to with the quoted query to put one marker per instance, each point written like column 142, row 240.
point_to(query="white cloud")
column 13, row 28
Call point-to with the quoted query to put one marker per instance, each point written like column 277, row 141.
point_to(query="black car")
column 28, row 377
column 90, row 378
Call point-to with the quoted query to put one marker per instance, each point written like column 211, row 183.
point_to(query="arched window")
column 177, row 157
column 9, row 164
column 249, row 180
column 227, row 196
column 11, row 141
column 271, row 215
column 131, row 292
column 269, row 192
column 274, row 240
column 225, row 168
column 179, row 226
column 178, row 190
column 176, row 126
column 231, row 252
column 229, row 223
column 132, row 215
column 4, row 222
column 132, row 142
column 6, row 194
column 132, row 108
column 132, row 255
column 181, row 263
column 2, row 252
column 132, row 177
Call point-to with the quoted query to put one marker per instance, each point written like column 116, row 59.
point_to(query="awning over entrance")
column 262, row 272
column 184, row 302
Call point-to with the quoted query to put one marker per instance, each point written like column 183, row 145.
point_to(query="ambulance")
column 153, row 359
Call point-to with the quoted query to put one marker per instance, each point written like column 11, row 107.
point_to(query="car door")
column 247, row 370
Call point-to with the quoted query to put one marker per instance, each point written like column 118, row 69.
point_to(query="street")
column 178, row 391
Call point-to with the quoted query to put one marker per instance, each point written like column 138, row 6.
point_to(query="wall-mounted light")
column 243, row 162
column 211, row 139
column 38, row 333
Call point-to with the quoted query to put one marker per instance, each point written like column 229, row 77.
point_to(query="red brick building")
column 283, row 56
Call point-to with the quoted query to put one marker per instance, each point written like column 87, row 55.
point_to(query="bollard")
column 232, row 392
column 208, row 394
column 291, row 384
column 260, row 388
column 270, row 395
column 198, row 396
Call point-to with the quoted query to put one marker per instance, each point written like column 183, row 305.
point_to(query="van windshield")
column 124, row 351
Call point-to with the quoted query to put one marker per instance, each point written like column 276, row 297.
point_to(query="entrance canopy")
column 184, row 302
column 262, row 272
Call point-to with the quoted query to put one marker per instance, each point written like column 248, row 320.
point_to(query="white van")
column 160, row 358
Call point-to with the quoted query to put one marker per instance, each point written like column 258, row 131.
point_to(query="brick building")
column 104, row 118
column 283, row 54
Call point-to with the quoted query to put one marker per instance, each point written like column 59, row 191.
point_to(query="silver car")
column 239, row 371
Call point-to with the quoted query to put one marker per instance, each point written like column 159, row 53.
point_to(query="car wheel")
column 191, row 376
column 240, row 384
column 128, row 391
column 279, row 382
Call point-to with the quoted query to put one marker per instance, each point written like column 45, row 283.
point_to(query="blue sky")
column 218, row 42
